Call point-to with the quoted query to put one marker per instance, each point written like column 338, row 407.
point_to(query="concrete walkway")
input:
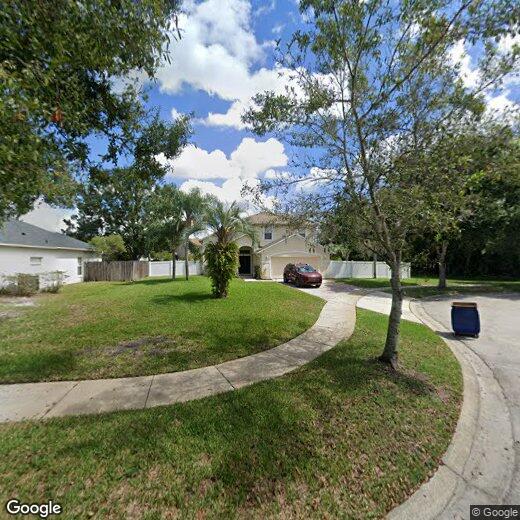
column 54, row 399
column 380, row 301
column 482, row 464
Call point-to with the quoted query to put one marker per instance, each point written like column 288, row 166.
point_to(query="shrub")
column 51, row 282
column 258, row 272
column 222, row 265
column 21, row 284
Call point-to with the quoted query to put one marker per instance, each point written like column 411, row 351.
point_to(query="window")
column 306, row 269
column 36, row 260
column 80, row 266
column 301, row 232
column 268, row 232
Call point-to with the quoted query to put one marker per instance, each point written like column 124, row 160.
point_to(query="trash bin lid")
column 472, row 305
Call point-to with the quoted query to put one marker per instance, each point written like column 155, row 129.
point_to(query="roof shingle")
column 20, row 233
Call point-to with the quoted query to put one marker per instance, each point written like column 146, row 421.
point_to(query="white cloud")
column 255, row 157
column 230, row 191
column 216, row 49
column 175, row 113
column 197, row 163
column 278, row 28
column 47, row 217
column 217, row 54
column 232, row 118
column 501, row 104
column 460, row 57
column 507, row 43
column 470, row 75
column 248, row 160
column 266, row 8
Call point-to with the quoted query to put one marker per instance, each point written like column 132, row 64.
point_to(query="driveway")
column 499, row 347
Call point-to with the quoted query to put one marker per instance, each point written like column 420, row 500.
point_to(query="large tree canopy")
column 372, row 86
column 63, row 71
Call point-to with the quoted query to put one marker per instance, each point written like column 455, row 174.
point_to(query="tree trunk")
column 442, row 265
column 389, row 354
column 186, row 264
column 173, row 265
column 374, row 267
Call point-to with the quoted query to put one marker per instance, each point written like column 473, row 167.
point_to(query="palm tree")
column 172, row 217
column 194, row 207
column 221, row 254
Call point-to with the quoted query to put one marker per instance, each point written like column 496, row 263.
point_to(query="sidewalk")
column 61, row 398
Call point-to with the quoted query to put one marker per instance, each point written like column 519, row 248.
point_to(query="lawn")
column 421, row 286
column 97, row 330
column 373, row 283
column 341, row 437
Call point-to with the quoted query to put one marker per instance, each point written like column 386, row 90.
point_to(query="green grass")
column 342, row 437
column 422, row 286
column 373, row 283
column 84, row 332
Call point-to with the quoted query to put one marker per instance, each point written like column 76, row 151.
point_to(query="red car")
column 302, row 275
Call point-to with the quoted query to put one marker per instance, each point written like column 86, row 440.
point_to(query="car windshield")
column 306, row 269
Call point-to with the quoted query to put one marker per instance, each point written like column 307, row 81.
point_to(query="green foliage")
column 21, row 284
column 114, row 202
column 117, row 201
column 60, row 62
column 221, row 266
column 226, row 224
column 161, row 256
column 110, row 247
column 173, row 215
column 372, row 86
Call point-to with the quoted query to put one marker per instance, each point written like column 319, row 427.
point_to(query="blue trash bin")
column 465, row 320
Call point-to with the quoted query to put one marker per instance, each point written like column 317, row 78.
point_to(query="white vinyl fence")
column 165, row 268
column 356, row 269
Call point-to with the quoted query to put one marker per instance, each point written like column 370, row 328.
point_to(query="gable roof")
column 18, row 233
column 264, row 217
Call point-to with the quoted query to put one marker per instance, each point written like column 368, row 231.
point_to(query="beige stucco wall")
column 294, row 246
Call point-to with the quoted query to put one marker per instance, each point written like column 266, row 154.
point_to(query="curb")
column 483, row 433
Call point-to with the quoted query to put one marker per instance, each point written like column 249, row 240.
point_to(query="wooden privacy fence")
column 124, row 271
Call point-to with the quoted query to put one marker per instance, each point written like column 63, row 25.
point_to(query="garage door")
column 278, row 263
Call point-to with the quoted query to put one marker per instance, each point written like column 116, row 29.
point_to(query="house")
column 195, row 245
column 25, row 248
column 278, row 244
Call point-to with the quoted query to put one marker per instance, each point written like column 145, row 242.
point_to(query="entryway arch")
column 245, row 257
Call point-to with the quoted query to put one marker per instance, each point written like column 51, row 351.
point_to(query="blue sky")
column 224, row 57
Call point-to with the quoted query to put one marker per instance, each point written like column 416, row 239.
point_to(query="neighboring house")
column 277, row 245
column 29, row 249
column 180, row 252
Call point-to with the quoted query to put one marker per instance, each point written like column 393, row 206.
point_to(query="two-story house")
column 277, row 244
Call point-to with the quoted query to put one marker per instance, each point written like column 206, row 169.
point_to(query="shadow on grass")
column 276, row 447
column 154, row 281
column 39, row 366
column 194, row 297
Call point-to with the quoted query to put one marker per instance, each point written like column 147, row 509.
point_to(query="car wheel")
column 318, row 286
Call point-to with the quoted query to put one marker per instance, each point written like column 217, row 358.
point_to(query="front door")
column 245, row 264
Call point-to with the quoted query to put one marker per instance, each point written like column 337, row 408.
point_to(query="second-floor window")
column 268, row 232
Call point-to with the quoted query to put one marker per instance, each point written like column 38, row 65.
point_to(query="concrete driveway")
column 499, row 347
